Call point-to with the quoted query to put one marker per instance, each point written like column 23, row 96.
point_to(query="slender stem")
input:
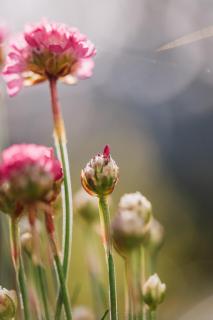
column 153, row 315
column 93, row 270
column 105, row 221
column 19, row 267
column 59, row 268
column 61, row 147
column 42, row 283
column 128, row 291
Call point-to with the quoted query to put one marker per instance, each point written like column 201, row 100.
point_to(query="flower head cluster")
column 48, row 50
column 8, row 304
column 28, row 173
column 131, row 224
column 138, row 203
column 100, row 175
column 154, row 291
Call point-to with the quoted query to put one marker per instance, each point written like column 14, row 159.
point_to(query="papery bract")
column 48, row 50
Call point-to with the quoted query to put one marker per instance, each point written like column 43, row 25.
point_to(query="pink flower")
column 48, row 50
column 29, row 173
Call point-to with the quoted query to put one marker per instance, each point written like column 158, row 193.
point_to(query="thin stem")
column 42, row 283
column 128, row 291
column 93, row 270
column 105, row 221
column 59, row 268
column 19, row 267
column 152, row 314
column 61, row 147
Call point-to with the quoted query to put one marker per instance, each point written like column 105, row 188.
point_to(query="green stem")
column 61, row 147
column 19, row 267
column 128, row 291
column 59, row 269
column 105, row 221
column 42, row 283
column 153, row 315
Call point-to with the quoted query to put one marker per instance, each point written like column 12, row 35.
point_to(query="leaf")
column 105, row 314
column 189, row 38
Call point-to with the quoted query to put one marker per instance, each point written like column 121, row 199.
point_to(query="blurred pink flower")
column 48, row 50
column 18, row 157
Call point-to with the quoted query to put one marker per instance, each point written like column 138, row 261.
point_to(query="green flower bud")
column 86, row 206
column 138, row 203
column 8, row 304
column 100, row 175
column 154, row 292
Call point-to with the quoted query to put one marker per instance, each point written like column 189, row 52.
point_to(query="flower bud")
column 28, row 173
column 154, row 291
column 128, row 231
column 86, row 206
column 83, row 313
column 100, row 175
column 155, row 236
column 8, row 304
column 138, row 203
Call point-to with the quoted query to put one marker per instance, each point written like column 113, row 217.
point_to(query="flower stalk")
column 105, row 222
column 63, row 289
column 18, row 265
column 61, row 147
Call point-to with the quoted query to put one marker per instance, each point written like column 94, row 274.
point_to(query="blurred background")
column 156, row 112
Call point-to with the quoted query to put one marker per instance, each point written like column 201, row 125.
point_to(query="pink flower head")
column 48, row 50
column 29, row 172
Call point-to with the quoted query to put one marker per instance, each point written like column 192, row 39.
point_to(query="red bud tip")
column 106, row 151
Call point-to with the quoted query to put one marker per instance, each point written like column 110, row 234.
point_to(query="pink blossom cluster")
column 18, row 157
column 48, row 50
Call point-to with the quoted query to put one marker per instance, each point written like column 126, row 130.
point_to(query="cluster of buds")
column 8, row 304
column 131, row 224
column 48, row 50
column 154, row 292
column 100, row 175
column 28, row 174
column 86, row 206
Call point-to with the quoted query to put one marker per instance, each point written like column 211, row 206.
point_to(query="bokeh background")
column 156, row 112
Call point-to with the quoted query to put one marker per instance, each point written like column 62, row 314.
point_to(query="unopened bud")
column 155, row 236
column 100, row 175
column 154, row 291
column 138, row 203
column 83, row 313
column 8, row 304
column 128, row 230
column 86, row 206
